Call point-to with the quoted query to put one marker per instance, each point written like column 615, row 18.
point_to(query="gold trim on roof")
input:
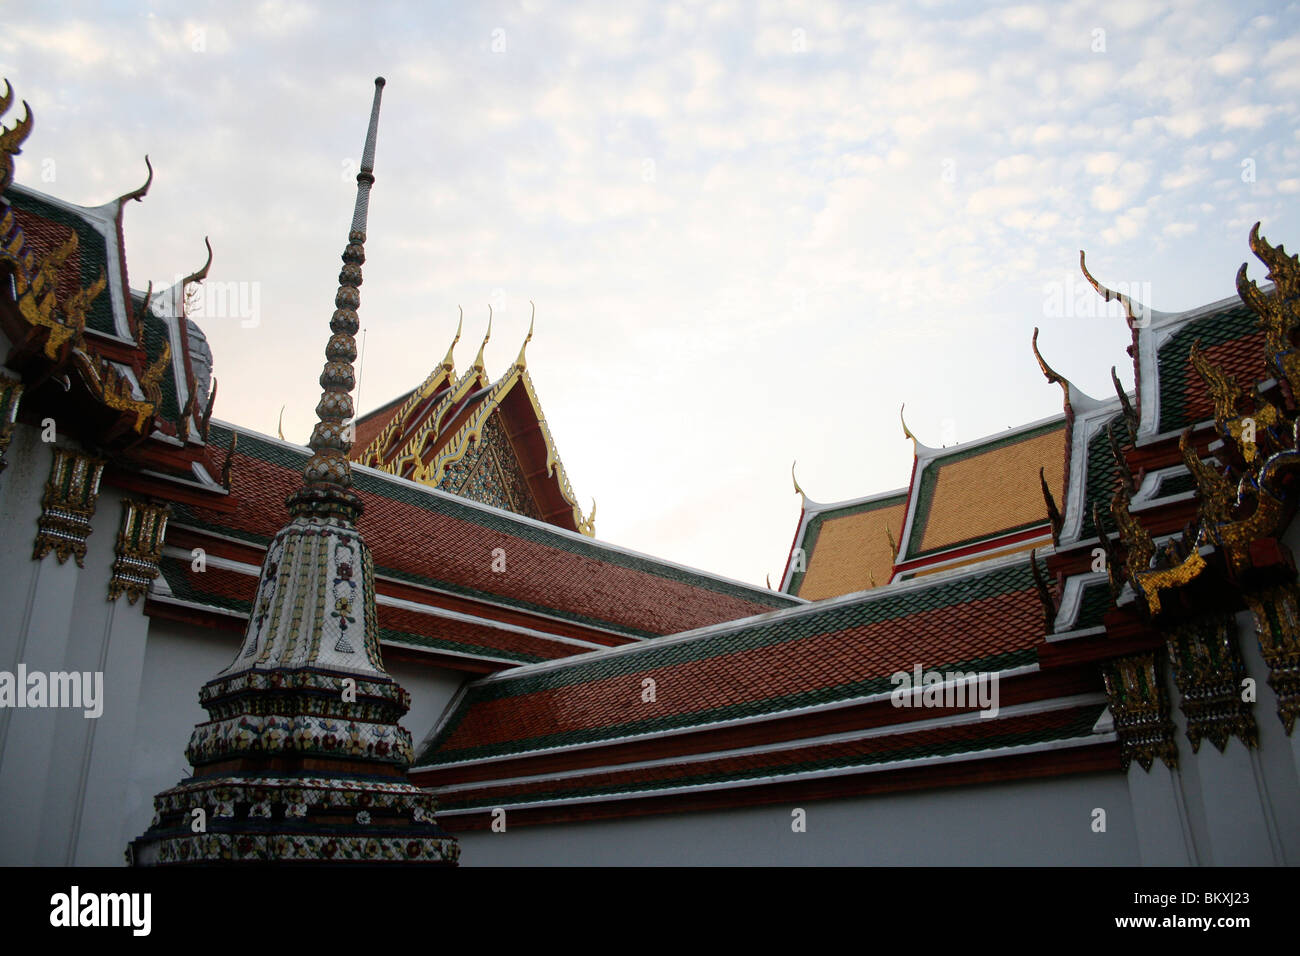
column 454, row 447
column 442, row 374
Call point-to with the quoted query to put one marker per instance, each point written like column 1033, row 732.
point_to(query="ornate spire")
column 327, row 478
column 303, row 735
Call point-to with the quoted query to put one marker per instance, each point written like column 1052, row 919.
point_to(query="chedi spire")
column 302, row 758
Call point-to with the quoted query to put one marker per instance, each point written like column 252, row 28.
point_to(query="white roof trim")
column 811, row 775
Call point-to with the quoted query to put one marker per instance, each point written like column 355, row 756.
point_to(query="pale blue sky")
column 751, row 230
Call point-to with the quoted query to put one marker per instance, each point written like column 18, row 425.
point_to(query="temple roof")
column 135, row 354
column 476, row 437
column 963, row 504
column 791, row 705
column 561, row 592
column 978, row 492
column 846, row 545
column 830, row 651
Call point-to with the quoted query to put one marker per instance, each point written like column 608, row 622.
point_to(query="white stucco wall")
column 1033, row 823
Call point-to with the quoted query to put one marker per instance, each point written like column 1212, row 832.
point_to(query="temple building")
column 1073, row 642
column 476, row 438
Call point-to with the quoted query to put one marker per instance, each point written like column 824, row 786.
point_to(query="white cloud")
column 1248, row 117
column 903, row 174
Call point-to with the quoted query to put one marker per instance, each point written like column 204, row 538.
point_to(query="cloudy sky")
column 752, row 230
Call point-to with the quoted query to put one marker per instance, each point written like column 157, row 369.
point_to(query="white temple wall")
column 1023, row 823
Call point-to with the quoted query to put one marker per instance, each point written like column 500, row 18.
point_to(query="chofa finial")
column 139, row 194
column 1049, row 373
column 1137, row 313
column 529, row 337
column 907, row 432
column 460, row 324
column 478, row 359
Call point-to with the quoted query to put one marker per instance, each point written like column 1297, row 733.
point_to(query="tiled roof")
column 374, row 421
column 430, row 538
column 46, row 226
column 846, row 547
column 1093, row 605
column 1102, row 475
column 233, row 591
column 871, row 751
column 975, row 493
column 831, row 651
column 1230, row 339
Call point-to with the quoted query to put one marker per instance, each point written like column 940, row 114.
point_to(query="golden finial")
column 1109, row 296
column 1049, row 372
column 893, row 545
column 519, row 362
column 907, row 432
column 139, row 194
column 799, row 491
column 460, row 322
column 769, row 581
column 280, row 427
column 478, row 359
